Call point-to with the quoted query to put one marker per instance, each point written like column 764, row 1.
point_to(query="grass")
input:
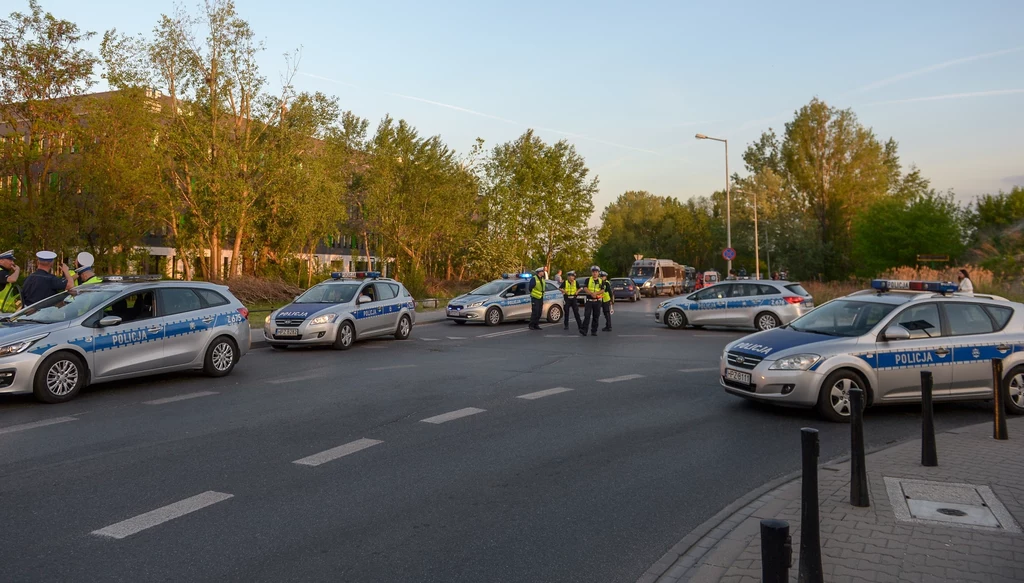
column 260, row 310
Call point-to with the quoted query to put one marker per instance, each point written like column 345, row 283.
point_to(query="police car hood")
column 14, row 331
column 304, row 311
column 470, row 298
column 774, row 344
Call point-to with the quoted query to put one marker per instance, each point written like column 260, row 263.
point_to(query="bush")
column 253, row 291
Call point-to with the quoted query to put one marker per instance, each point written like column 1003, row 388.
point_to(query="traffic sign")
column 728, row 253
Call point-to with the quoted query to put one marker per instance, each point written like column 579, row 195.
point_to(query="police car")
column 504, row 300
column 348, row 307
column 880, row 340
column 762, row 304
column 122, row 328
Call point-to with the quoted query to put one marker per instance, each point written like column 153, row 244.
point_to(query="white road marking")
column 184, row 397
column 296, row 379
column 446, row 417
column 337, row 452
column 34, row 424
column 429, row 339
column 698, row 369
column 456, row 337
column 394, row 367
column 507, row 332
column 126, row 528
column 542, row 394
column 627, row 377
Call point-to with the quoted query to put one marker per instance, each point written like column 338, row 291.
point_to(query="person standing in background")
column 966, row 285
column 558, row 277
column 41, row 284
column 592, row 309
column 607, row 301
column 9, row 273
column 569, row 289
column 537, row 288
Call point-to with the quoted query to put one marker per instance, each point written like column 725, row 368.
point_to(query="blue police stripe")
column 729, row 304
column 929, row 358
column 382, row 310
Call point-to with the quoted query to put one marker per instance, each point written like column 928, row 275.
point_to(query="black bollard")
column 999, row 396
column 776, row 551
column 810, row 537
column 858, row 470
column 929, row 457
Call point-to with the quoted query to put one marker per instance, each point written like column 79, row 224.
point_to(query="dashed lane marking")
column 451, row 416
column 542, row 394
column 337, row 452
column 430, row 339
column 627, row 377
column 296, row 379
column 184, row 397
column 507, row 332
column 708, row 369
column 456, row 337
column 126, row 528
column 393, row 367
column 34, row 424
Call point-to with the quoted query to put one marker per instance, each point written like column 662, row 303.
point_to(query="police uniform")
column 41, row 284
column 537, row 288
column 8, row 299
column 592, row 310
column 569, row 288
column 85, row 261
column 607, row 300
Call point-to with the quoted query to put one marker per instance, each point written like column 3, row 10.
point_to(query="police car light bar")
column 130, row 278
column 884, row 285
column 355, row 274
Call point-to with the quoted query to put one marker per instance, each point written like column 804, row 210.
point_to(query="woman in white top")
column 966, row 286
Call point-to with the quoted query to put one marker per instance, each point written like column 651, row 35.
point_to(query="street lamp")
column 728, row 198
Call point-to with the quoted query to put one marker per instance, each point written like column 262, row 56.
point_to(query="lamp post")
column 728, row 199
column 757, row 247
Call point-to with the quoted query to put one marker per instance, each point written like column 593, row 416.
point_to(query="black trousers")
column 573, row 304
column 591, row 315
column 536, row 307
column 606, row 307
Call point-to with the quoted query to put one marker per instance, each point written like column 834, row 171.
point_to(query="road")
column 419, row 461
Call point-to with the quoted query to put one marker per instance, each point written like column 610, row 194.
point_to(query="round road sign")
column 728, row 253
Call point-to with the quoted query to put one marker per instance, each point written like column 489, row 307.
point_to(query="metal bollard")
column 999, row 396
column 929, row 457
column 776, row 551
column 810, row 537
column 858, row 471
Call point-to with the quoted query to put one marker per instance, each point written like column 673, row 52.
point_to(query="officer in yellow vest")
column 9, row 273
column 607, row 301
column 592, row 310
column 537, row 287
column 569, row 289
column 84, row 274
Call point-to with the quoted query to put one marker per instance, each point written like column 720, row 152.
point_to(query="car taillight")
column 244, row 312
column 795, row 299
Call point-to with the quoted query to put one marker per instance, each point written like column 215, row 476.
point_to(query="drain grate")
column 965, row 505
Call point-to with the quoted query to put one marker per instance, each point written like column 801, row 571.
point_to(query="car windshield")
column 63, row 307
column 642, row 272
column 490, row 289
column 842, row 318
column 329, row 293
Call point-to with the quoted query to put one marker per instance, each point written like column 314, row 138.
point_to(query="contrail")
column 993, row 93
column 936, row 67
column 486, row 115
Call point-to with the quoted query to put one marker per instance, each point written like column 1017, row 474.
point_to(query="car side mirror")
column 365, row 299
column 508, row 294
column 108, row 321
column 897, row 332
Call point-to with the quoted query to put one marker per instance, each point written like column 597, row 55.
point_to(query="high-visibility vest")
column 594, row 285
column 538, row 288
column 607, row 297
column 8, row 301
column 571, row 288
column 93, row 279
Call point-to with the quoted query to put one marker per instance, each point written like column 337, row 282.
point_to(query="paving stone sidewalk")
column 873, row 544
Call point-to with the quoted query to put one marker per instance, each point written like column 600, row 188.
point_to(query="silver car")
column 761, row 304
column 107, row 331
column 504, row 300
column 880, row 342
column 341, row 310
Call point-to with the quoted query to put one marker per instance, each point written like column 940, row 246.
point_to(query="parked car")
column 623, row 288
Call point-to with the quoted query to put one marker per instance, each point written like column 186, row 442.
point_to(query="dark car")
column 624, row 288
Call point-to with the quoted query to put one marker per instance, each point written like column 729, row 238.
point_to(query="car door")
column 741, row 305
column 517, row 307
column 187, row 324
column 710, row 303
column 133, row 346
column 390, row 306
column 898, row 363
column 977, row 338
column 367, row 312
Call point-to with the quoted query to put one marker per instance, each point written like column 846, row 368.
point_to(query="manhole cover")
column 964, row 505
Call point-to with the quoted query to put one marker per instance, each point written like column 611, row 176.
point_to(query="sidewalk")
column 895, row 539
column 422, row 319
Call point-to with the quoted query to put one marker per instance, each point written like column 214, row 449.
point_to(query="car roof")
column 130, row 285
column 904, row 297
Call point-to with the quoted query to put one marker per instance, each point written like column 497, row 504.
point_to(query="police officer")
column 41, row 284
column 607, row 301
column 9, row 273
column 84, row 273
column 536, row 287
column 569, row 289
column 592, row 310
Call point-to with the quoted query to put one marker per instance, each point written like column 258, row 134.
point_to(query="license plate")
column 737, row 376
column 286, row 332
column 808, row 304
column 453, row 312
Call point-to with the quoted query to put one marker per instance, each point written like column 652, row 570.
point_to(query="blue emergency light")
column 940, row 287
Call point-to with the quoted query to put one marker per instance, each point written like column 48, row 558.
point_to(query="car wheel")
column 555, row 314
column 221, row 357
column 675, row 319
column 493, row 317
column 279, row 346
column 59, row 378
column 834, row 399
column 345, row 337
column 766, row 321
column 1015, row 391
column 404, row 328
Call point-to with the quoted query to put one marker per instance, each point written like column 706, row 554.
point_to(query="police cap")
column 9, row 254
column 603, row 274
column 571, row 274
column 595, row 268
column 85, row 260
column 46, row 256
column 538, row 270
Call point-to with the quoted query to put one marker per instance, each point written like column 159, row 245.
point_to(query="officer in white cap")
column 41, row 284
column 9, row 273
column 537, row 288
column 84, row 272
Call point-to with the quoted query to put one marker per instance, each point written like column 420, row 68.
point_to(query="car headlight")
column 648, row 284
column 20, row 346
column 663, row 304
column 267, row 319
column 795, row 362
column 325, row 319
column 475, row 305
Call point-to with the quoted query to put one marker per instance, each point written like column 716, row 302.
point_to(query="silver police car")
column 880, row 340
column 504, row 300
column 348, row 307
column 121, row 329
column 762, row 304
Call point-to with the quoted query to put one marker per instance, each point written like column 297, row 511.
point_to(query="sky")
column 630, row 83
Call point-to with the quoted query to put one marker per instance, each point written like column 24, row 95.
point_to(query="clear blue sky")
column 630, row 83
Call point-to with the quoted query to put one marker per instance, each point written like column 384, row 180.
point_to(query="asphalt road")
column 185, row 478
